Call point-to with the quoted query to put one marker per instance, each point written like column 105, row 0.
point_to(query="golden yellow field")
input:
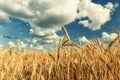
column 91, row 62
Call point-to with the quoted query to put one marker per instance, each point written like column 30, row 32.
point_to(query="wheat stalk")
column 112, row 42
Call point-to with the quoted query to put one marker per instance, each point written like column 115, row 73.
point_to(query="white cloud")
column 97, row 14
column 83, row 40
column 4, row 16
column 117, row 5
column 85, row 22
column 53, row 13
column 16, row 8
column 44, row 36
column 11, row 44
column 109, row 5
column 106, row 37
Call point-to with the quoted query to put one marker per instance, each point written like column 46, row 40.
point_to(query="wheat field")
column 92, row 61
column 86, row 63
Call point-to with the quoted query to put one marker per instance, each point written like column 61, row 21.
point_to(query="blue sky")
column 34, row 22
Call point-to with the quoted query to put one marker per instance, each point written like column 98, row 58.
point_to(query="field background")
column 92, row 61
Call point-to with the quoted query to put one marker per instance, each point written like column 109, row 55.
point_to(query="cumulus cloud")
column 43, row 37
column 47, row 16
column 96, row 13
column 16, row 8
column 83, row 40
column 85, row 22
column 11, row 44
column 106, row 37
column 4, row 16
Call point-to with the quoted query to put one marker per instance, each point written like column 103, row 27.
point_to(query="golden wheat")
column 69, row 62
column 73, row 64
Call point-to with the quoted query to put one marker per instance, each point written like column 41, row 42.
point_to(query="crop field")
column 88, row 63
column 92, row 61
